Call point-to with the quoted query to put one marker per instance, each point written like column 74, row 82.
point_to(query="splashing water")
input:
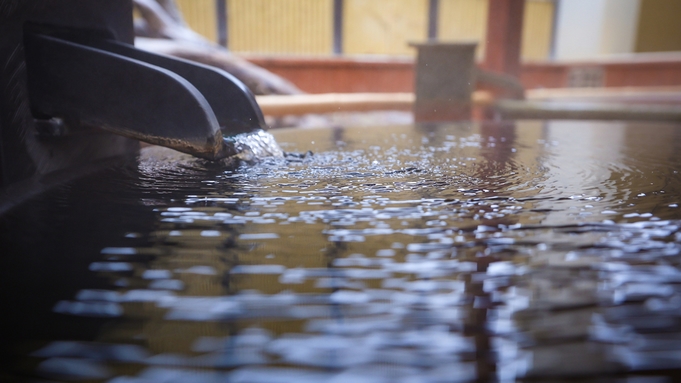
column 254, row 145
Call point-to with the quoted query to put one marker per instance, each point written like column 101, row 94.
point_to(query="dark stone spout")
column 85, row 86
column 74, row 91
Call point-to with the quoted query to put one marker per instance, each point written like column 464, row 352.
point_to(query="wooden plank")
column 463, row 20
column 200, row 16
column 375, row 27
column 383, row 26
column 537, row 30
column 658, row 26
column 512, row 109
column 275, row 105
column 641, row 95
column 566, row 93
column 281, row 26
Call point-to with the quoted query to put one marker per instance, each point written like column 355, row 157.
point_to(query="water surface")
column 430, row 253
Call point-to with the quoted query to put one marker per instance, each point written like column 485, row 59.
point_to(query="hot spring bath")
column 427, row 253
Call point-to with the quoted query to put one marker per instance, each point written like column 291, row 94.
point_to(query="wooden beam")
column 504, row 35
column 279, row 105
column 514, row 110
column 283, row 105
column 275, row 105
column 629, row 94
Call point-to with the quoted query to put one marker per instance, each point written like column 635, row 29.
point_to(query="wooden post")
column 504, row 34
column 338, row 27
column 433, row 10
column 444, row 81
column 221, row 11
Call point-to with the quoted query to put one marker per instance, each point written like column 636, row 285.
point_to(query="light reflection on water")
column 434, row 253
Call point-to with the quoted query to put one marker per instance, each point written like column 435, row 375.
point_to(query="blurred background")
column 568, row 43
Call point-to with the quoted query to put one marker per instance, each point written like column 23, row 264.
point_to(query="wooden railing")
column 306, row 27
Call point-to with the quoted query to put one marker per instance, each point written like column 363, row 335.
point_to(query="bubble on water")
column 385, row 253
column 179, row 209
column 144, row 295
column 349, row 297
column 111, row 266
column 199, row 269
column 258, row 236
column 258, row 269
column 98, row 295
column 119, row 251
column 167, row 284
column 73, row 369
column 94, row 309
column 156, row 274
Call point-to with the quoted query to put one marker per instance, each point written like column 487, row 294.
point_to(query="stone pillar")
column 445, row 80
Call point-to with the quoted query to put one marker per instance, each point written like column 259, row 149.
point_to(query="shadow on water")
column 435, row 253
column 49, row 245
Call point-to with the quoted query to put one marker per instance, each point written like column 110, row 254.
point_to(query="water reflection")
column 431, row 254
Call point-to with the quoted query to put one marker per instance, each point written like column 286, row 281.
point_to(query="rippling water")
column 432, row 253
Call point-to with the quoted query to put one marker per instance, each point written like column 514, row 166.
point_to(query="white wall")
column 619, row 26
column 591, row 28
